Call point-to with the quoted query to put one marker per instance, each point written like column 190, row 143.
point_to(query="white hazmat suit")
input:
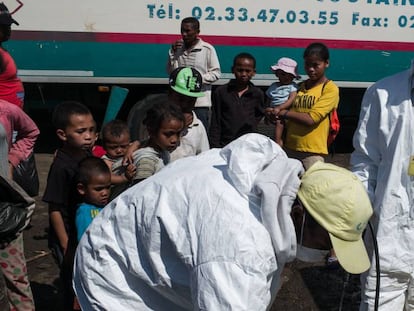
column 211, row 232
column 384, row 145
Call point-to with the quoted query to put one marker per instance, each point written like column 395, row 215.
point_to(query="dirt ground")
column 305, row 286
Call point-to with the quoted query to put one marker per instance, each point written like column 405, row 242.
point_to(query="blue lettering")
column 170, row 11
column 161, row 12
column 355, row 18
column 151, row 8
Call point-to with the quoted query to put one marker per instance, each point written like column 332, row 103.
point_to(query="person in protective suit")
column 214, row 231
column 384, row 161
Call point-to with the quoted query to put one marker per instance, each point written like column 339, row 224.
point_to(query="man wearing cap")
column 214, row 232
column 11, row 87
column 185, row 85
column 384, row 161
column 192, row 51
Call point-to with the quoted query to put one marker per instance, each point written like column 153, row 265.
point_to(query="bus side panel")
column 131, row 60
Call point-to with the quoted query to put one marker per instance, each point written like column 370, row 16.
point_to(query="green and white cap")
column 187, row 81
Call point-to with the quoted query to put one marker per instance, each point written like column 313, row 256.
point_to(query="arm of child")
column 84, row 217
column 128, row 157
column 130, row 171
column 118, row 179
column 58, row 225
column 288, row 103
column 270, row 115
column 146, row 167
column 128, row 176
column 115, row 179
column 300, row 117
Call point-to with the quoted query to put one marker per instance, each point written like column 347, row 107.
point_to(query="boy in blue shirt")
column 94, row 186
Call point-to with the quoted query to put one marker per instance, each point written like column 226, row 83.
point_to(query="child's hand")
column 188, row 119
column 270, row 115
column 128, row 157
column 130, row 171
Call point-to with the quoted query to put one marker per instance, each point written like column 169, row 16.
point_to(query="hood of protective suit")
column 209, row 232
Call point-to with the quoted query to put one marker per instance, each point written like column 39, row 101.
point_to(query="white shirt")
column 202, row 57
column 195, row 141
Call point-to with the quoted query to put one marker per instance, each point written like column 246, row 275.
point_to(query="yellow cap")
column 338, row 201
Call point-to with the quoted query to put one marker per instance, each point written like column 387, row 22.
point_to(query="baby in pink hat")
column 281, row 94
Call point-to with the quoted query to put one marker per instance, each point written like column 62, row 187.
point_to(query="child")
column 116, row 141
column 282, row 93
column 76, row 128
column 238, row 106
column 185, row 84
column 164, row 122
column 308, row 118
column 94, row 185
column 194, row 139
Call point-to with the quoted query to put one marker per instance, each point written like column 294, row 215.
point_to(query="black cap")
column 5, row 16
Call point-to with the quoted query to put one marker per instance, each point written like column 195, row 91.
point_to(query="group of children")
column 238, row 106
column 79, row 184
column 300, row 111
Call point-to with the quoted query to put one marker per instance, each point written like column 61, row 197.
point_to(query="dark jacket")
column 234, row 116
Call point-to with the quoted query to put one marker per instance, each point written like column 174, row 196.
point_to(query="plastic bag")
column 25, row 174
column 12, row 218
column 334, row 126
column 16, row 209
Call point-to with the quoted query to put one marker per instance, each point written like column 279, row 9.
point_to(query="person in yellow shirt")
column 307, row 121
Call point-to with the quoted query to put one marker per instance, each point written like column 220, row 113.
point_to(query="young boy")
column 194, row 138
column 238, row 106
column 185, row 85
column 94, row 186
column 116, row 141
column 76, row 128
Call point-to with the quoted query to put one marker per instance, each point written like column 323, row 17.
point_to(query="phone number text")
column 242, row 14
column 274, row 15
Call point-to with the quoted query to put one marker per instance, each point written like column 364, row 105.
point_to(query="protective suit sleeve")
column 366, row 141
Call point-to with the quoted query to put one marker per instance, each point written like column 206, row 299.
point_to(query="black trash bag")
column 25, row 174
column 16, row 209
column 12, row 219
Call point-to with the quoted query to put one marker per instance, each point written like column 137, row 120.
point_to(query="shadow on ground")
column 47, row 297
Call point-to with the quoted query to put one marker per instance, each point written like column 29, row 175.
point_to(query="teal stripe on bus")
column 149, row 60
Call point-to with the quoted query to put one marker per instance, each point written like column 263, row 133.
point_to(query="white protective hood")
column 210, row 232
